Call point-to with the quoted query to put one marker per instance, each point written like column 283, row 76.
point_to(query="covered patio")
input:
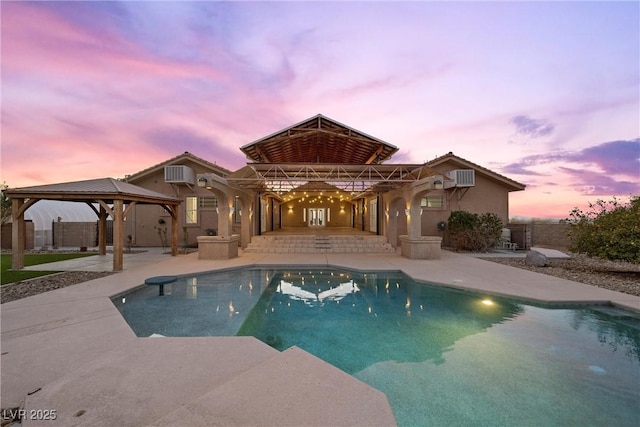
column 320, row 176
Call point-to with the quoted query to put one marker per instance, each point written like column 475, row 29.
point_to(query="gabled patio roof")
column 319, row 139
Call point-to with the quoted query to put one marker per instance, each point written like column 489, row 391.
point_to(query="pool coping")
column 63, row 343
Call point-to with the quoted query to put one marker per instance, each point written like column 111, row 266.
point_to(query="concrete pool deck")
column 70, row 351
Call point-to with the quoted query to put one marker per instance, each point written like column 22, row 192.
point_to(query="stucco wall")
column 142, row 222
column 487, row 195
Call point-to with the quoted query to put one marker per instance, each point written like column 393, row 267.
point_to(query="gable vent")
column 461, row 178
column 179, row 174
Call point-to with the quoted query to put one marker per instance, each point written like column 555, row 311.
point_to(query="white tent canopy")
column 43, row 213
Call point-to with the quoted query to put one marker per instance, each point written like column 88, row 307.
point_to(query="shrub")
column 608, row 230
column 473, row 232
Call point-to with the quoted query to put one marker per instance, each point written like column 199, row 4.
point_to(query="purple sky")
column 546, row 93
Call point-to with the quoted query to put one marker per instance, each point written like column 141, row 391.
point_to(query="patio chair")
column 505, row 240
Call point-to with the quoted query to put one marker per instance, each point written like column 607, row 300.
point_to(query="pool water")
column 442, row 357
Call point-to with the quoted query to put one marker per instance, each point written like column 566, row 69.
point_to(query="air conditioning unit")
column 461, row 178
column 179, row 174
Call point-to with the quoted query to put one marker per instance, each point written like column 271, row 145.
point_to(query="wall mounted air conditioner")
column 461, row 178
column 179, row 174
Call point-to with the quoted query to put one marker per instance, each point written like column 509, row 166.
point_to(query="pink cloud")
column 60, row 48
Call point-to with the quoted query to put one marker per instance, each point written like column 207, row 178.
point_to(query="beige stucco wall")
column 487, row 195
column 142, row 222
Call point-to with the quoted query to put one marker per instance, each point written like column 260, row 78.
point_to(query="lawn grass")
column 9, row 276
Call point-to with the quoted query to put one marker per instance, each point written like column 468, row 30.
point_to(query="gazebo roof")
column 319, row 140
column 107, row 189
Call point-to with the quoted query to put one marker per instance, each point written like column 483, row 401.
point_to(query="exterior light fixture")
column 437, row 184
column 202, row 181
column 407, row 211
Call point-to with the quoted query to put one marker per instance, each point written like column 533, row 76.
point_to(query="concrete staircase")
column 320, row 243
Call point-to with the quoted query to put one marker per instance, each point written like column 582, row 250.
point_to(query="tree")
column 473, row 232
column 5, row 205
column 608, row 230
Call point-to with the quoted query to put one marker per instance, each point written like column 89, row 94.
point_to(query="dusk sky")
column 546, row 93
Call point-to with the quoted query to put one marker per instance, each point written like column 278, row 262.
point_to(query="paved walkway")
column 505, row 253
column 70, row 350
column 140, row 258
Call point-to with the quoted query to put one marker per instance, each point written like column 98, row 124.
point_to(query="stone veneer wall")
column 6, row 239
column 75, row 234
column 550, row 234
column 543, row 234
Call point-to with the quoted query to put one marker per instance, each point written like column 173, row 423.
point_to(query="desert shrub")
column 608, row 229
column 473, row 232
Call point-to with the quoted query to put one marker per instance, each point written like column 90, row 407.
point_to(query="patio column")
column 17, row 234
column 414, row 222
column 246, row 222
column 224, row 220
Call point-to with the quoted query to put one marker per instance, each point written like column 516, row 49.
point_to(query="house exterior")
column 318, row 173
column 489, row 192
column 148, row 225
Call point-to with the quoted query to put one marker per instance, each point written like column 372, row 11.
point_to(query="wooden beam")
column 374, row 155
column 102, row 231
column 118, row 234
column 174, row 229
column 263, row 155
column 17, row 234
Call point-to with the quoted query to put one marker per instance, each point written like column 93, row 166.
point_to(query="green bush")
column 608, row 230
column 473, row 232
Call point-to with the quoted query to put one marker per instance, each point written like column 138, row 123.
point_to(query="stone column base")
column 423, row 247
column 218, row 247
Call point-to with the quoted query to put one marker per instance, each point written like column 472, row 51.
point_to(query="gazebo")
column 114, row 198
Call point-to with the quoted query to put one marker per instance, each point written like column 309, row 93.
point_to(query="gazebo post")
column 17, row 234
column 102, row 231
column 118, row 234
column 174, row 231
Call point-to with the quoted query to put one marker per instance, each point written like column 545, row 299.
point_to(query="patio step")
column 319, row 244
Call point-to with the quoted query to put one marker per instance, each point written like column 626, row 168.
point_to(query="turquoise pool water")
column 442, row 357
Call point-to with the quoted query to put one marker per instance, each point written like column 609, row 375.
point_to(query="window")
column 237, row 214
column 208, row 202
column 191, row 210
column 432, row 202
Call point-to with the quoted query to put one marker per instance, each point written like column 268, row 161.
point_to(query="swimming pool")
column 442, row 357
